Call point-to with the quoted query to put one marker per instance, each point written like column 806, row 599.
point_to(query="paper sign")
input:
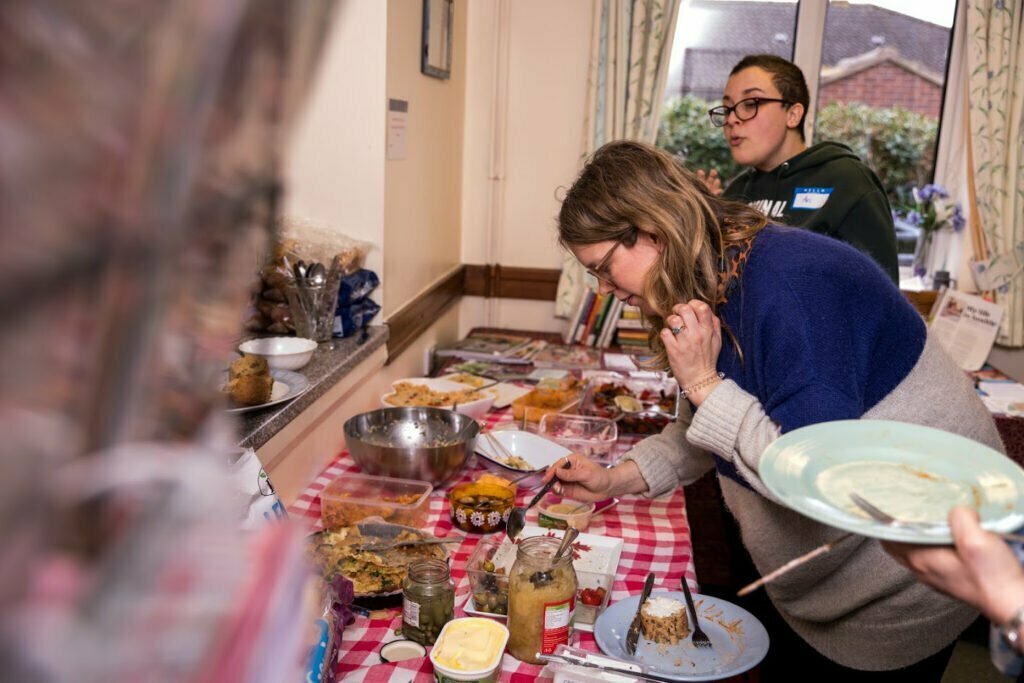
column 398, row 124
column 966, row 327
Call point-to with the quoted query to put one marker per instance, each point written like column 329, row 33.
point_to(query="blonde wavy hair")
column 627, row 187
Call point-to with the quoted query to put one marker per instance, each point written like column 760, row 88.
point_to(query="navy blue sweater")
column 825, row 333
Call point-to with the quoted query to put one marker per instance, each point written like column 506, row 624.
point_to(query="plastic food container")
column 540, row 402
column 592, row 596
column 587, row 435
column 555, row 512
column 658, row 400
column 354, row 497
column 488, row 581
column 453, row 660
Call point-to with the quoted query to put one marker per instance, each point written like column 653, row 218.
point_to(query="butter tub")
column 469, row 649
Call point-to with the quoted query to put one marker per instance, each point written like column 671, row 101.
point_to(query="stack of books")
column 630, row 332
column 593, row 323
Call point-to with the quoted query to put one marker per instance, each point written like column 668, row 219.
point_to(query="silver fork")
column 884, row 517
column 700, row 639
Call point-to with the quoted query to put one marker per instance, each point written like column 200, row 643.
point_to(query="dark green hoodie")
column 827, row 189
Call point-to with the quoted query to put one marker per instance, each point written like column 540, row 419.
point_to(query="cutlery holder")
column 312, row 308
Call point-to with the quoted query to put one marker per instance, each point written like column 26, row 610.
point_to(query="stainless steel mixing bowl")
column 429, row 444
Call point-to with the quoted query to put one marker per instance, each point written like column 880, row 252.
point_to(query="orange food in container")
column 353, row 497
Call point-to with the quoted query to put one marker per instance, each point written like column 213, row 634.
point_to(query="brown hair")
column 787, row 78
column 628, row 186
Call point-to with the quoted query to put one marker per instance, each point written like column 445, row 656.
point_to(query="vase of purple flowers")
column 930, row 210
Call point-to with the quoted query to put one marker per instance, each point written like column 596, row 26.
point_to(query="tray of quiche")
column 352, row 552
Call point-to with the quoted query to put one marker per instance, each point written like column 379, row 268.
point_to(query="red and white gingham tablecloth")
column 655, row 533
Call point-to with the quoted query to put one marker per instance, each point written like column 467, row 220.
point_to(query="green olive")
column 488, row 566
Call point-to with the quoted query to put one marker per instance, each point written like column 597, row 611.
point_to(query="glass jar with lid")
column 541, row 599
column 428, row 600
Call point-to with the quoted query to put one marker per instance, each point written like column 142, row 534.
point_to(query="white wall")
column 422, row 221
column 487, row 149
column 334, row 168
column 526, row 88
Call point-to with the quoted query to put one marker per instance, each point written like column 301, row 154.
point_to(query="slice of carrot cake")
column 663, row 620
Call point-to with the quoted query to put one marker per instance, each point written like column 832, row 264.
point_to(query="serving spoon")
column 543, row 576
column 517, row 517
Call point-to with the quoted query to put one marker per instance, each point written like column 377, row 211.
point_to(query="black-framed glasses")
column 600, row 271
column 744, row 109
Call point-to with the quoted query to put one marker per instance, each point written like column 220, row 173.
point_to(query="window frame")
column 808, row 46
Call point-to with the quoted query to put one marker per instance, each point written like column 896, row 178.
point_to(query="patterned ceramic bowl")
column 481, row 507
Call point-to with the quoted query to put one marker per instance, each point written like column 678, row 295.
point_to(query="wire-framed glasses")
column 600, row 271
column 744, row 109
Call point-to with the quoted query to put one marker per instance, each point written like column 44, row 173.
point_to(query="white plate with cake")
column 739, row 641
column 286, row 386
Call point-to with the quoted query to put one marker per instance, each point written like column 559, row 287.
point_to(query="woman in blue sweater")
column 767, row 329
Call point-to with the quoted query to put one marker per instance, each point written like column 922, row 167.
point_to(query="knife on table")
column 633, row 635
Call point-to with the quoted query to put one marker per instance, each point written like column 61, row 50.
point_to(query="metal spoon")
column 543, row 576
column 517, row 517
column 316, row 274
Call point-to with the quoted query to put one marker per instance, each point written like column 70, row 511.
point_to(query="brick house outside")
column 871, row 55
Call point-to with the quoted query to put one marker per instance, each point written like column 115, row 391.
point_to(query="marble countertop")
column 327, row 367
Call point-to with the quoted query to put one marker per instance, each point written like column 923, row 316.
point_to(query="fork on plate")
column 884, row 517
column 700, row 639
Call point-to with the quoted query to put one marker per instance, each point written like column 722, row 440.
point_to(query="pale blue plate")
column 739, row 641
column 913, row 473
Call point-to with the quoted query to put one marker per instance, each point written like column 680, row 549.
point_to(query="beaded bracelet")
column 707, row 381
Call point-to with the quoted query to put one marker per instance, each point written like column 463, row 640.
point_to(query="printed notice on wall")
column 966, row 326
column 398, row 123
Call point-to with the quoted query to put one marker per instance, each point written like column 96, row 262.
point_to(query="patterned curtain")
column 630, row 49
column 995, row 59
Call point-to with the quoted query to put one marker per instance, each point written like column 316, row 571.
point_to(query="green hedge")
column 898, row 144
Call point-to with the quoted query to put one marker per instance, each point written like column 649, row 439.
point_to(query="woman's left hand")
column 693, row 340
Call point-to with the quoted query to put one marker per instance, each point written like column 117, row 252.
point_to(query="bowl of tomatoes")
column 592, row 595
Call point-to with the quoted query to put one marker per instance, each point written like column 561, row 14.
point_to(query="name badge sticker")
column 810, row 198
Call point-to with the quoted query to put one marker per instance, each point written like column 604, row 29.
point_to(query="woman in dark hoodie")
column 825, row 188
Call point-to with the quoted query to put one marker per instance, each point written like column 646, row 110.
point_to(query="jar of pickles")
column 428, row 600
column 541, row 599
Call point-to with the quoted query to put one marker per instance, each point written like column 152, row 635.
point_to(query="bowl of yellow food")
column 431, row 392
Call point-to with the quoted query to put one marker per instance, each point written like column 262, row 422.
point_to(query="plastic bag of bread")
column 301, row 240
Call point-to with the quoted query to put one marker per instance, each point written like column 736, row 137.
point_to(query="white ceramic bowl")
column 284, row 353
column 475, row 409
column 538, row 451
